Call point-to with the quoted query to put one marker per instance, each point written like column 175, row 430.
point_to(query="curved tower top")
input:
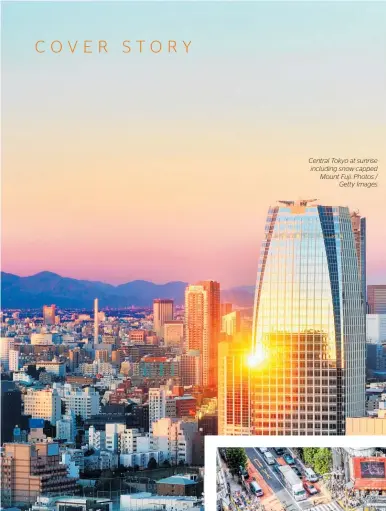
column 309, row 322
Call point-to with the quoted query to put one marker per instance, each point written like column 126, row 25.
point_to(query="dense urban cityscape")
column 321, row 479
column 108, row 408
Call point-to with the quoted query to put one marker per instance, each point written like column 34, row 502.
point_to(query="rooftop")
column 177, row 480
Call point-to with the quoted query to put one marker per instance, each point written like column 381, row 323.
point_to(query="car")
column 310, row 475
column 263, row 449
column 310, row 488
column 296, row 470
column 269, row 458
column 289, row 459
column 279, row 451
column 276, row 468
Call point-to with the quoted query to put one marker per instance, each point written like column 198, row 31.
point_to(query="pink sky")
column 163, row 169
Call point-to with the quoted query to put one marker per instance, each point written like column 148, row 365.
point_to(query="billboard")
column 369, row 467
column 372, row 469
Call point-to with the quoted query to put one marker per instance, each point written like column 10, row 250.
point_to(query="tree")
column 320, row 459
column 308, row 455
column 236, row 458
column 323, row 460
column 166, row 463
column 152, row 464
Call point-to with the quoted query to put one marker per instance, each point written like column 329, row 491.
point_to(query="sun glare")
column 256, row 358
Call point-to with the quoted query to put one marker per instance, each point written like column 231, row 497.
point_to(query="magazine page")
column 193, row 280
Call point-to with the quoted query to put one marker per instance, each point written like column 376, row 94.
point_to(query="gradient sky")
column 162, row 167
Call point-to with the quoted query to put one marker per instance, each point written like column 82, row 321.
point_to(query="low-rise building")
column 145, row 501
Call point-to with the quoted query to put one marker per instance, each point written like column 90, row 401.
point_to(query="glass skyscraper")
column 309, row 323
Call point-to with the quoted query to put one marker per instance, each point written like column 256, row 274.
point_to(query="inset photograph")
column 292, row 479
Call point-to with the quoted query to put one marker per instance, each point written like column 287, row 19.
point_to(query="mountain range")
column 46, row 287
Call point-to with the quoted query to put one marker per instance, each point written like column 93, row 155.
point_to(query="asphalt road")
column 273, row 480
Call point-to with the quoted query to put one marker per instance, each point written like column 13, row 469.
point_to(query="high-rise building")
column 190, row 368
column 376, row 297
column 157, row 405
column 203, row 325
column 359, row 229
column 31, row 470
column 162, row 311
column 225, row 308
column 96, row 322
column 6, row 344
column 309, row 323
column 49, row 314
column 75, row 358
column 102, row 355
column 234, row 388
column 231, row 323
column 13, row 359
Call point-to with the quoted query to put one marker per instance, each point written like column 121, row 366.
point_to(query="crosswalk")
column 332, row 506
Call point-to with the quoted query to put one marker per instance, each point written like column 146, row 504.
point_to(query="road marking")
column 284, row 488
column 258, row 463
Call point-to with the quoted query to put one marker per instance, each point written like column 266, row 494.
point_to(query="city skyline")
column 375, row 273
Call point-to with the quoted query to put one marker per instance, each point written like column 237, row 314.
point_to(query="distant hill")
column 47, row 287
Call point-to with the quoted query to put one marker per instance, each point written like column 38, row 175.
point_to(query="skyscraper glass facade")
column 309, row 323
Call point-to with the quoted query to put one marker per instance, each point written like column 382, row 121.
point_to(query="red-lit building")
column 185, row 406
column 369, row 473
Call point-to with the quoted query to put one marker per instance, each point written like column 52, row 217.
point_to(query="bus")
column 292, row 482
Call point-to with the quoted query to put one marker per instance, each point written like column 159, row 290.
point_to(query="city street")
column 276, row 495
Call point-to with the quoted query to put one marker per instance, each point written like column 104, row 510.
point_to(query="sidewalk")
column 269, row 499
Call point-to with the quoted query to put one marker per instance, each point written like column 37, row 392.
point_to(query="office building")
column 157, row 367
column 43, row 404
column 49, row 315
column 75, row 358
column 13, row 359
column 96, row 322
column 162, row 311
column 157, row 405
column 6, row 344
column 191, row 368
column 231, row 323
column 376, row 328
column 43, row 339
column 376, row 298
column 359, row 230
column 83, row 402
column 54, row 366
column 202, row 326
column 174, row 438
column 234, row 389
column 174, row 333
column 225, row 308
column 102, row 355
column 309, row 323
